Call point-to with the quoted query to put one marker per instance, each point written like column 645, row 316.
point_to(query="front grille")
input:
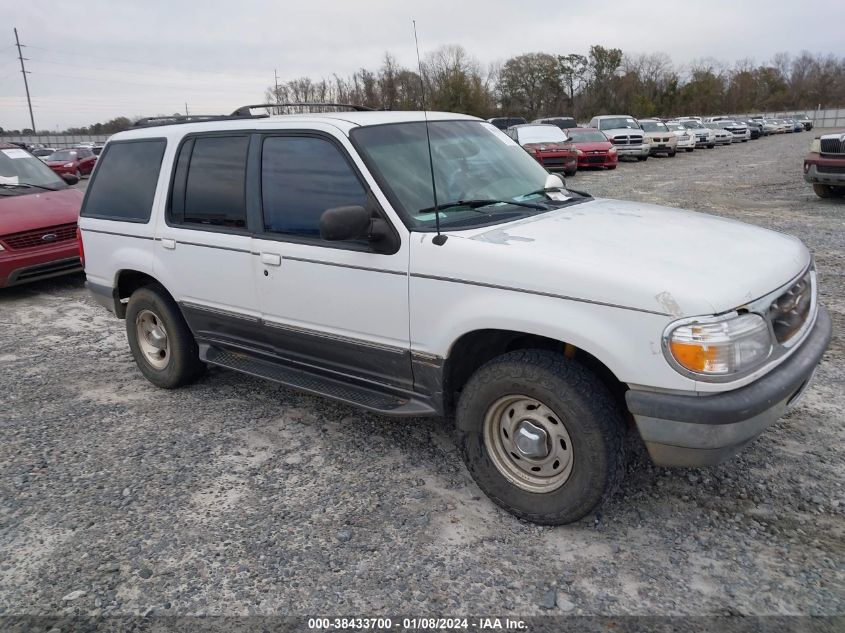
column 555, row 160
column 598, row 160
column 830, row 169
column 833, row 146
column 41, row 237
column 627, row 140
column 790, row 311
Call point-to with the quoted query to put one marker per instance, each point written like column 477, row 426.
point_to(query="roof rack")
column 247, row 109
column 178, row 119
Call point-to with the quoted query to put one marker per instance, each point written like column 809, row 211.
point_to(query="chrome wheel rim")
column 528, row 443
column 152, row 339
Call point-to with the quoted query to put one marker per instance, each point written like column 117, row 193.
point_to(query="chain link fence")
column 59, row 141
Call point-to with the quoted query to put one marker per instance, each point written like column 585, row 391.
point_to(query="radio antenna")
column 439, row 239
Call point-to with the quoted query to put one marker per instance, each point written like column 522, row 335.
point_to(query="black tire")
column 183, row 365
column 611, row 167
column 78, row 175
column 672, row 153
column 689, row 149
column 586, row 408
column 642, row 159
column 824, row 191
column 571, row 173
column 711, row 146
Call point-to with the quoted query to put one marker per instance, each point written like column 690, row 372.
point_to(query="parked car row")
column 560, row 144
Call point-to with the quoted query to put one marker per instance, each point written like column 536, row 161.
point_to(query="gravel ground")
column 238, row 496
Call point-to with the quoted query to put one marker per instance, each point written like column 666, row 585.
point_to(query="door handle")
column 271, row 259
column 168, row 243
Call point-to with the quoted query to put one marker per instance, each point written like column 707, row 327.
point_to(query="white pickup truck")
column 312, row 250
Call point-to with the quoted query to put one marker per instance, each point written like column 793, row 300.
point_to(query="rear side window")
column 124, row 183
column 209, row 182
column 300, row 178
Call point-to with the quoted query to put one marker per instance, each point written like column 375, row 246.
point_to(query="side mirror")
column 345, row 223
column 553, row 181
column 70, row 179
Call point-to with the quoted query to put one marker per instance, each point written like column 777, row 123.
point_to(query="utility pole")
column 276, row 78
column 25, row 83
column 186, row 109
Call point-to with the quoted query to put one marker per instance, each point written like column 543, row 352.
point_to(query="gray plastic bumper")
column 705, row 430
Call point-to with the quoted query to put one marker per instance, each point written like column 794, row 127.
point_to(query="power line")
column 25, row 82
column 64, row 54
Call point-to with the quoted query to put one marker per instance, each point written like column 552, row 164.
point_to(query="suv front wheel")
column 541, row 436
column 161, row 342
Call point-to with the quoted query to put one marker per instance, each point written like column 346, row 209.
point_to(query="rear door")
column 203, row 247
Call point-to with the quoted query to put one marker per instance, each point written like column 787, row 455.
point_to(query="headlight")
column 580, row 151
column 1, row 248
column 68, row 165
column 816, row 145
column 612, row 150
column 721, row 348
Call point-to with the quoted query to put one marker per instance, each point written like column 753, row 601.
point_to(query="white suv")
column 305, row 249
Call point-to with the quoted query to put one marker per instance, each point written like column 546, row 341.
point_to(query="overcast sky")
column 97, row 59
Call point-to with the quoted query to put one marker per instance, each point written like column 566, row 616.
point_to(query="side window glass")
column 213, row 192
column 125, row 182
column 300, row 178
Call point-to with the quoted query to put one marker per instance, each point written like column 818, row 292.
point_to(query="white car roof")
column 344, row 121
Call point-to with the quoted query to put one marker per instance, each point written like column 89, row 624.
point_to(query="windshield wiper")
column 25, row 184
column 537, row 192
column 481, row 202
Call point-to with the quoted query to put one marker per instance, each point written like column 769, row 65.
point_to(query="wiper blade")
column 481, row 202
column 558, row 189
column 26, row 184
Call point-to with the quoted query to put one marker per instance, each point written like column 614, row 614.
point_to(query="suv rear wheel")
column 541, row 436
column 161, row 342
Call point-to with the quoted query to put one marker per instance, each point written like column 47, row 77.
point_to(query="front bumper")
column 816, row 177
column 705, row 430
column 32, row 264
column 590, row 160
column 633, row 150
column 61, row 169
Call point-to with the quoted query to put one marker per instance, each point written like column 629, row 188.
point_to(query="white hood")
column 628, row 254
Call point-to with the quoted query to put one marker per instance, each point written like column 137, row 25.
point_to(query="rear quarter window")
column 124, row 183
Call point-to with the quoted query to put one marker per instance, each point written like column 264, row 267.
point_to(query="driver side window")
column 300, row 178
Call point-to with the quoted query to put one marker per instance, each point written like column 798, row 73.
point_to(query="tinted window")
column 125, row 181
column 300, row 178
column 214, row 190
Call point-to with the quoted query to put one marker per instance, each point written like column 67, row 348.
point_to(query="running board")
column 369, row 398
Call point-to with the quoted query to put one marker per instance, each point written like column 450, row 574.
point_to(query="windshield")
column 62, row 154
column 18, row 166
column 472, row 160
column 654, row 126
column 692, row 125
column 540, row 134
column 587, row 136
column 675, row 126
column 618, row 123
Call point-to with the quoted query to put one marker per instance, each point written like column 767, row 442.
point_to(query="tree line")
column 606, row 80
column 603, row 81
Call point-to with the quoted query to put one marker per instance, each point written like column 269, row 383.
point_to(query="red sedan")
column 548, row 144
column 78, row 161
column 594, row 150
column 38, row 214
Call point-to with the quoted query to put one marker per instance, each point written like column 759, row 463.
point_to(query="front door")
column 337, row 306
